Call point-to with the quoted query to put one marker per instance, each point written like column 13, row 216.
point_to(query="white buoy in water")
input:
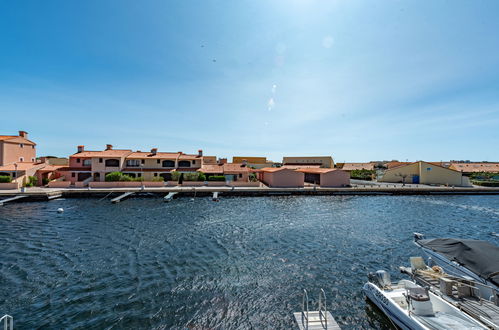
column 60, row 210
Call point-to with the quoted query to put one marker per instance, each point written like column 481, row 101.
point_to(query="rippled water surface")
column 237, row 264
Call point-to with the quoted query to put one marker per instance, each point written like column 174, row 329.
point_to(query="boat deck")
column 485, row 311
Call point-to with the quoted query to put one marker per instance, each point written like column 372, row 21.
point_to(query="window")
column 73, row 174
column 78, row 160
column 158, row 161
column 155, row 174
column 193, row 162
column 184, row 163
column 21, row 159
column 133, row 163
column 139, row 175
column 100, row 160
column 143, row 161
column 33, row 160
column 112, row 163
column 240, row 175
column 168, row 163
column 87, row 162
column 32, row 147
column 21, row 145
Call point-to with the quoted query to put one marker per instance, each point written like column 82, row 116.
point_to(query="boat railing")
column 323, row 309
column 8, row 322
column 304, row 310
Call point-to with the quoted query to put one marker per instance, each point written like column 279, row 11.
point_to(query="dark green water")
column 237, row 264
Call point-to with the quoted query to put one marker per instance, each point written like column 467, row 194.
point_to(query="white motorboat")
column 413, row 307
column 474, row 259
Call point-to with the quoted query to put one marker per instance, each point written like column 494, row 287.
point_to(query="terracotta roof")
column 7, row 137
column 189, row 157
column 158, row 155
column 475, row 167
column 10, row 137
column 231, row 167
column 20, row 166
column 105, row 153
column 51, row 168
column 358, row 166
column 212, row 168
column 317, row 170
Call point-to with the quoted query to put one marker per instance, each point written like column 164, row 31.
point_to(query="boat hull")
column 390, row 308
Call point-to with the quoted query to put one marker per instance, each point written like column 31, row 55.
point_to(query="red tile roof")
column 475, row 167
column 358, row 166
column 103, row 154
column 158, row 155
column 10, row 137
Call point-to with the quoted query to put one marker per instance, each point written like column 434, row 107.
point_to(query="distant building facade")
column 469, row 168
column 254, row 162
column 17, row 149
column 322, row 161
column 424, row 173
column 94, row 165
column 281, row 177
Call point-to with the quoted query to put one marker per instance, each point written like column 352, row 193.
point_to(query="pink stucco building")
column 326, row 177
column 281, row 177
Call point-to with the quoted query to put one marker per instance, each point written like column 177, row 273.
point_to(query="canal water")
column 240, row 263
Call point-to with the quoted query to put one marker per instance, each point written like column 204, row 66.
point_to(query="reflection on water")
column 240, row 263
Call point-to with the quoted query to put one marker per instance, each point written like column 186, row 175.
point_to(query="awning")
column 481, row 257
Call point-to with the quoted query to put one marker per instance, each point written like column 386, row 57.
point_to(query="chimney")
column 222, row 160
column 23, row 134
column 109, row 147
column 154, row 151
column 81, row 149
column 245, row 162
column 200, row 153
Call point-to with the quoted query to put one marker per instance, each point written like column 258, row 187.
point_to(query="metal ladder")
column 8, row 322
column 322, row 310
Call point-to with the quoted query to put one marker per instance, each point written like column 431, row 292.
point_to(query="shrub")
column 201, row 176
column 216, row 178
column 175, row 175
column 45, row 181
column 192, row 176
column 158, row 179
column 125, row 177
column 362, row 174
column 113, row 176
column 485, row 183
column 5, row 179
column 252, row 177
column 32, row 181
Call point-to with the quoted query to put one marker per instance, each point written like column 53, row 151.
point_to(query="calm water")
column 237, row 264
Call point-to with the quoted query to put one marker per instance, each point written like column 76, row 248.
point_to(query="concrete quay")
column 41, row 194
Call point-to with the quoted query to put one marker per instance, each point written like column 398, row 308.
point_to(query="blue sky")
column 358, row 80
